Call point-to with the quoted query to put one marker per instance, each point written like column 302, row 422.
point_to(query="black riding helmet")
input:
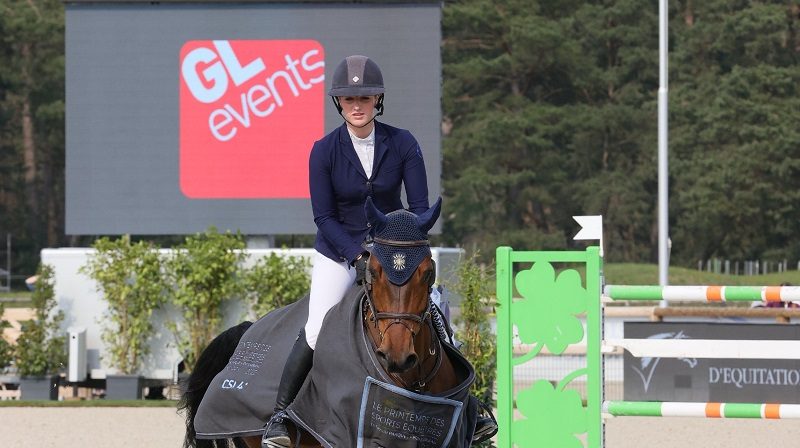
column 357, row 76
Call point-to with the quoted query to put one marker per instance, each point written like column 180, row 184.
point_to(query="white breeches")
column 330, row 280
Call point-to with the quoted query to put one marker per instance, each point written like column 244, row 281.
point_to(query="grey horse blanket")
column 347, row 399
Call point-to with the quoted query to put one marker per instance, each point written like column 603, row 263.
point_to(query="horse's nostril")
column 381, row 355
column 411, row 361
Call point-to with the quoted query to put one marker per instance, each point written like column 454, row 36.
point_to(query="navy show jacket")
column 339, row 186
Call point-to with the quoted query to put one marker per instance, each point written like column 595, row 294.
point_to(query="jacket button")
column 369, row 225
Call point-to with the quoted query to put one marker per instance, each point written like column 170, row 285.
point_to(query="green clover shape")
column 553, row 418
column 547, row 314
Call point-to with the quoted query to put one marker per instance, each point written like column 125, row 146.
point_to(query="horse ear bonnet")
column 399, row 263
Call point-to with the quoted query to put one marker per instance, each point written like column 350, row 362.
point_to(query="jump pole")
column 703, row 293
column 703, row 410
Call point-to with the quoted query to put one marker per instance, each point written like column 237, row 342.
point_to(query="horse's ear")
column 426, row 220
column 374, row 216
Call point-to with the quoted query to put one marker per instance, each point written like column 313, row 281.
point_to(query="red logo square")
column 250, row 110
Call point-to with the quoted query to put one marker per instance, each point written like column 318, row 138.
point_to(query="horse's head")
column 400, row 276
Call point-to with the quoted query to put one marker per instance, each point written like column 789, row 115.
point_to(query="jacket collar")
column 381, row 147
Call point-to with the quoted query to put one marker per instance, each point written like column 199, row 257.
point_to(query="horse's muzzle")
column 396, row 364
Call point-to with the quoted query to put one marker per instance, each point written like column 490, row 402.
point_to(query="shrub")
column 203, row 272
column 476, row 288
column 276, row 281
column 129, row 278
column 40, row 350
column 6, row 350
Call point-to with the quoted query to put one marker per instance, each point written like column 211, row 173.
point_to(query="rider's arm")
column 323, row 205
column 414, row 177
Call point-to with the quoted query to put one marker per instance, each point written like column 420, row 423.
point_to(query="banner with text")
column 711, row 380
column 394, row 417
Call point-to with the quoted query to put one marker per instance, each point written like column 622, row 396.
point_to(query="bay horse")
column 396, row 318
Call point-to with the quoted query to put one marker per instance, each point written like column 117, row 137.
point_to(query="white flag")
column 591, row 229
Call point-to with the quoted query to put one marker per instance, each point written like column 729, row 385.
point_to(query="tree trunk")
column 28, row 143
column 688, row 14
column 50, row 198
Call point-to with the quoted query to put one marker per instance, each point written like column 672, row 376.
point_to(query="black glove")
column 360, row 264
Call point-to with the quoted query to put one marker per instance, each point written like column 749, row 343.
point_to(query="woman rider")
column 361, row 158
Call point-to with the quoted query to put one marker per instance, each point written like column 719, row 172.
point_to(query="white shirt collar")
column 365, row 150
column 370, row 139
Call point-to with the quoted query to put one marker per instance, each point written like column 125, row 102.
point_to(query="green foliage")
column 550, row 111
column 16, row 299
column 6, row 350
column 276, row 281
column 41, row 350
column 647, row 274
column 203, row 272
column 32, row 127
column 130, row 280
column 736, row 186
column 199, row 276
column 476, row 288
column 545, row 104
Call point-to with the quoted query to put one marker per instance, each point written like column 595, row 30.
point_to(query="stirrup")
column 485, row 425
column 276, row 435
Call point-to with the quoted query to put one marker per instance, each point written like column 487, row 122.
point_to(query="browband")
column 395, row 243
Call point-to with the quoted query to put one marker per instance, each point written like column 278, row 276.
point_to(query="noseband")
column 400, row 318
column 404, row 318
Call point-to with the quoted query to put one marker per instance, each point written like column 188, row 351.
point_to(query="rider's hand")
column 360, row 263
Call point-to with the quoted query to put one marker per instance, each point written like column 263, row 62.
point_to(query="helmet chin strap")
column 378, row 106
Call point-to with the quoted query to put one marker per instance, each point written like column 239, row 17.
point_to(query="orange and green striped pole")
column 703, row 410
column 704, row 293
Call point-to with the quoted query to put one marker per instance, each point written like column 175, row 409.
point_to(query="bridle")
column 405, row 319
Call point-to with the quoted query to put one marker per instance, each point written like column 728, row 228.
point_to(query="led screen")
column 181, row 116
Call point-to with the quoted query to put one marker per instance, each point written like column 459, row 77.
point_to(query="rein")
column 403, row 319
